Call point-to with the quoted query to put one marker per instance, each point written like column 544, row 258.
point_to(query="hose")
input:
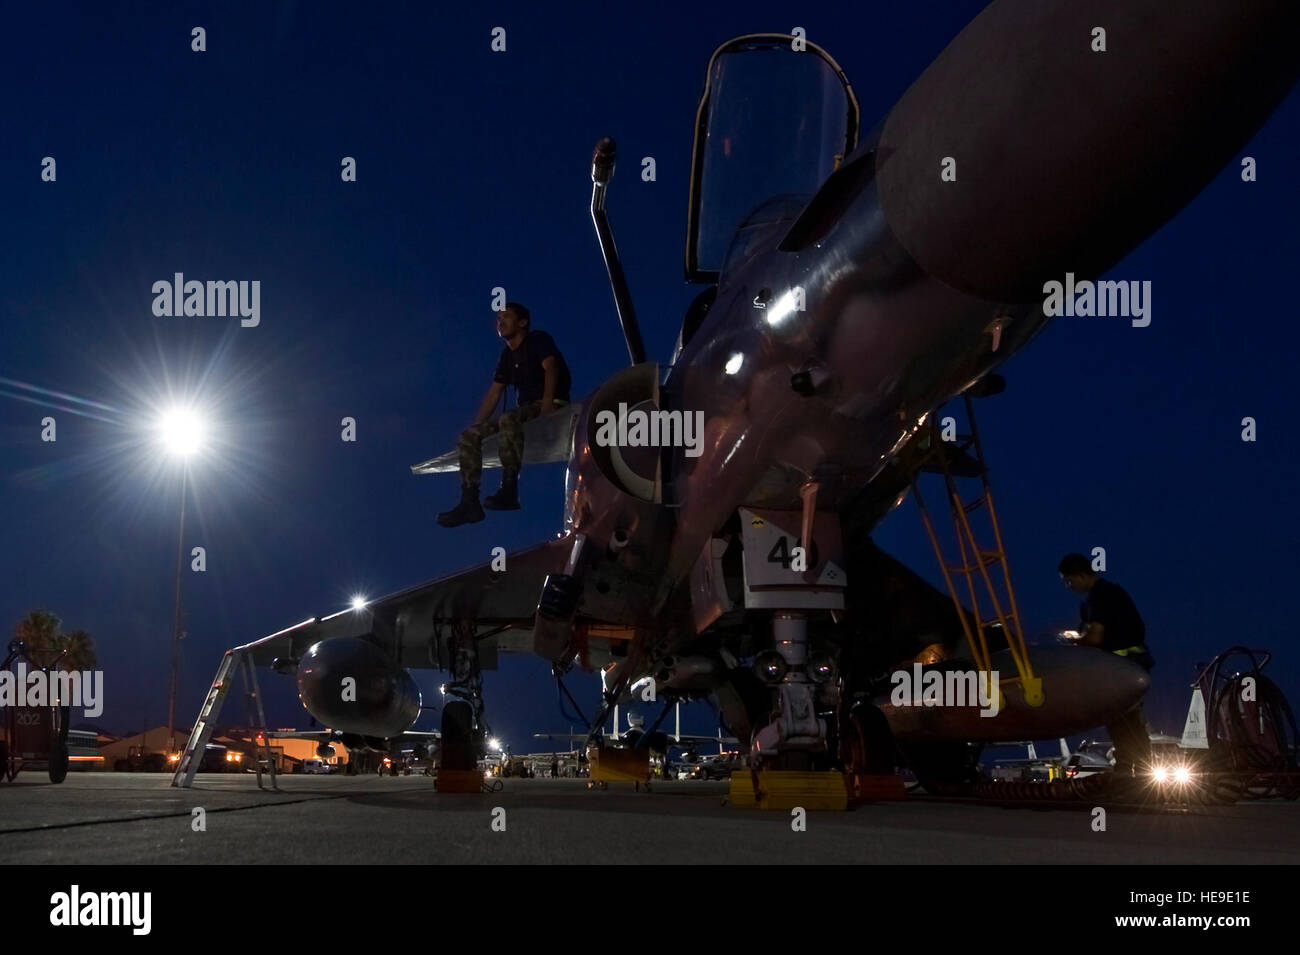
column 1273, row 757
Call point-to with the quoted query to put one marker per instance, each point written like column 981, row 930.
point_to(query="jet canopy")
column 773, row 120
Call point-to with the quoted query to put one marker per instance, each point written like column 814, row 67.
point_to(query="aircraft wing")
column 562, row 754
column 546, row 439
column 329, row 736
column 687, row 740
column 500, row 603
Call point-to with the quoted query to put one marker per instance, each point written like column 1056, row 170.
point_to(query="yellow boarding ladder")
column 936, row 456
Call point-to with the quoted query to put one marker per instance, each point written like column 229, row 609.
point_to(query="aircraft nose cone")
column 1069, row 146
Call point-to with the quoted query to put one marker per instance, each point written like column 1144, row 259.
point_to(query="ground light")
column 1171, row 775
column 182, row 431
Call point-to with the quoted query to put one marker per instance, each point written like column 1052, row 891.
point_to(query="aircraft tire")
column 58, row 761
column 866, row 745
column 945, row 769
column 457, row 736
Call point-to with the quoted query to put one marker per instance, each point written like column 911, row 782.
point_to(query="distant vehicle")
column 315, row 767
column 83, row 750
column 234, row 762
column 1092, row 757
column 1033, row 768
column 220, row 759
column 1088, row 759
column 216, row 759
column 139, row 761
column 393, row 766
column 717, row 766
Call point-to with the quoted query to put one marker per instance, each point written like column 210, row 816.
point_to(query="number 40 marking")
column 791, row 558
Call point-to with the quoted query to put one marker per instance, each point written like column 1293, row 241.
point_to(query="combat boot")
column 468, row 511
column 506, row 499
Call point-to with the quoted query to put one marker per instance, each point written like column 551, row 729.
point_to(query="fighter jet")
column 657, row 741
column 717, row 508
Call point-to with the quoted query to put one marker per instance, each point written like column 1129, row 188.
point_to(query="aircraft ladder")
column 235, row 661
column 938, row 457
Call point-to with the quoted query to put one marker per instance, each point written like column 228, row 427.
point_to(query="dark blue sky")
column 473, row 173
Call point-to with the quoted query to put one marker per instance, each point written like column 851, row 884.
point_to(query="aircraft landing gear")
column 795, row 734
column 462, row 718
column 458, row 736
column 790, row 756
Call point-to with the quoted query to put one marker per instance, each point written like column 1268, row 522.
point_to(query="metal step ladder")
column 235, row 661
column 984, row 569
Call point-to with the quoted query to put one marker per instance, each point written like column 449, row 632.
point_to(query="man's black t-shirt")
column 1110, row 605
column 523, row 369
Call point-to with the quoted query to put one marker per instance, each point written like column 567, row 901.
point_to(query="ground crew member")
column 1110, row 621
column 534, row 366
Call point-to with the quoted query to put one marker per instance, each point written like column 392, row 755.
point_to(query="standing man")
column 535, row 368
column 1109, row 620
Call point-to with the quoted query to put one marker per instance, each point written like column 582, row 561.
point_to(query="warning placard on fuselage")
column 781, row 572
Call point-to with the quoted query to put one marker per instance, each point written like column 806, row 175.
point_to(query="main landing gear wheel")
column 458, row 736
column 866, row 745
column 945, row 769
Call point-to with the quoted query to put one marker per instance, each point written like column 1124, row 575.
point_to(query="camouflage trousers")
column 509, row 429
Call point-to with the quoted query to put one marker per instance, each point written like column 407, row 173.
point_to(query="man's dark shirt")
column 1110, row 605
column 522, row 369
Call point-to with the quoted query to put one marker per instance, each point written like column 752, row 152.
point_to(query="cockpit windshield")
column 773, row 120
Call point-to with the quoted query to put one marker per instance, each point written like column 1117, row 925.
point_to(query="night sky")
column 473, row 172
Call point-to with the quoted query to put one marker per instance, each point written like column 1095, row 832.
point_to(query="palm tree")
column 78, row 650
column 43, row 642
column 39, row 631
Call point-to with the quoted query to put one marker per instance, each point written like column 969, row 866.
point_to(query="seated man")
column 534, row 366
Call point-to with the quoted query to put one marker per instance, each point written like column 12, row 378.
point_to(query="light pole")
column 182, row 435
column 176, row 626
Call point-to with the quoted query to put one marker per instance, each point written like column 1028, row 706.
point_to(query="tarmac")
column 129, row 818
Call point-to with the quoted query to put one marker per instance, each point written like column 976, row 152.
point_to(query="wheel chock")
column 874, row 788
column 785, row 789
column 611, row 765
